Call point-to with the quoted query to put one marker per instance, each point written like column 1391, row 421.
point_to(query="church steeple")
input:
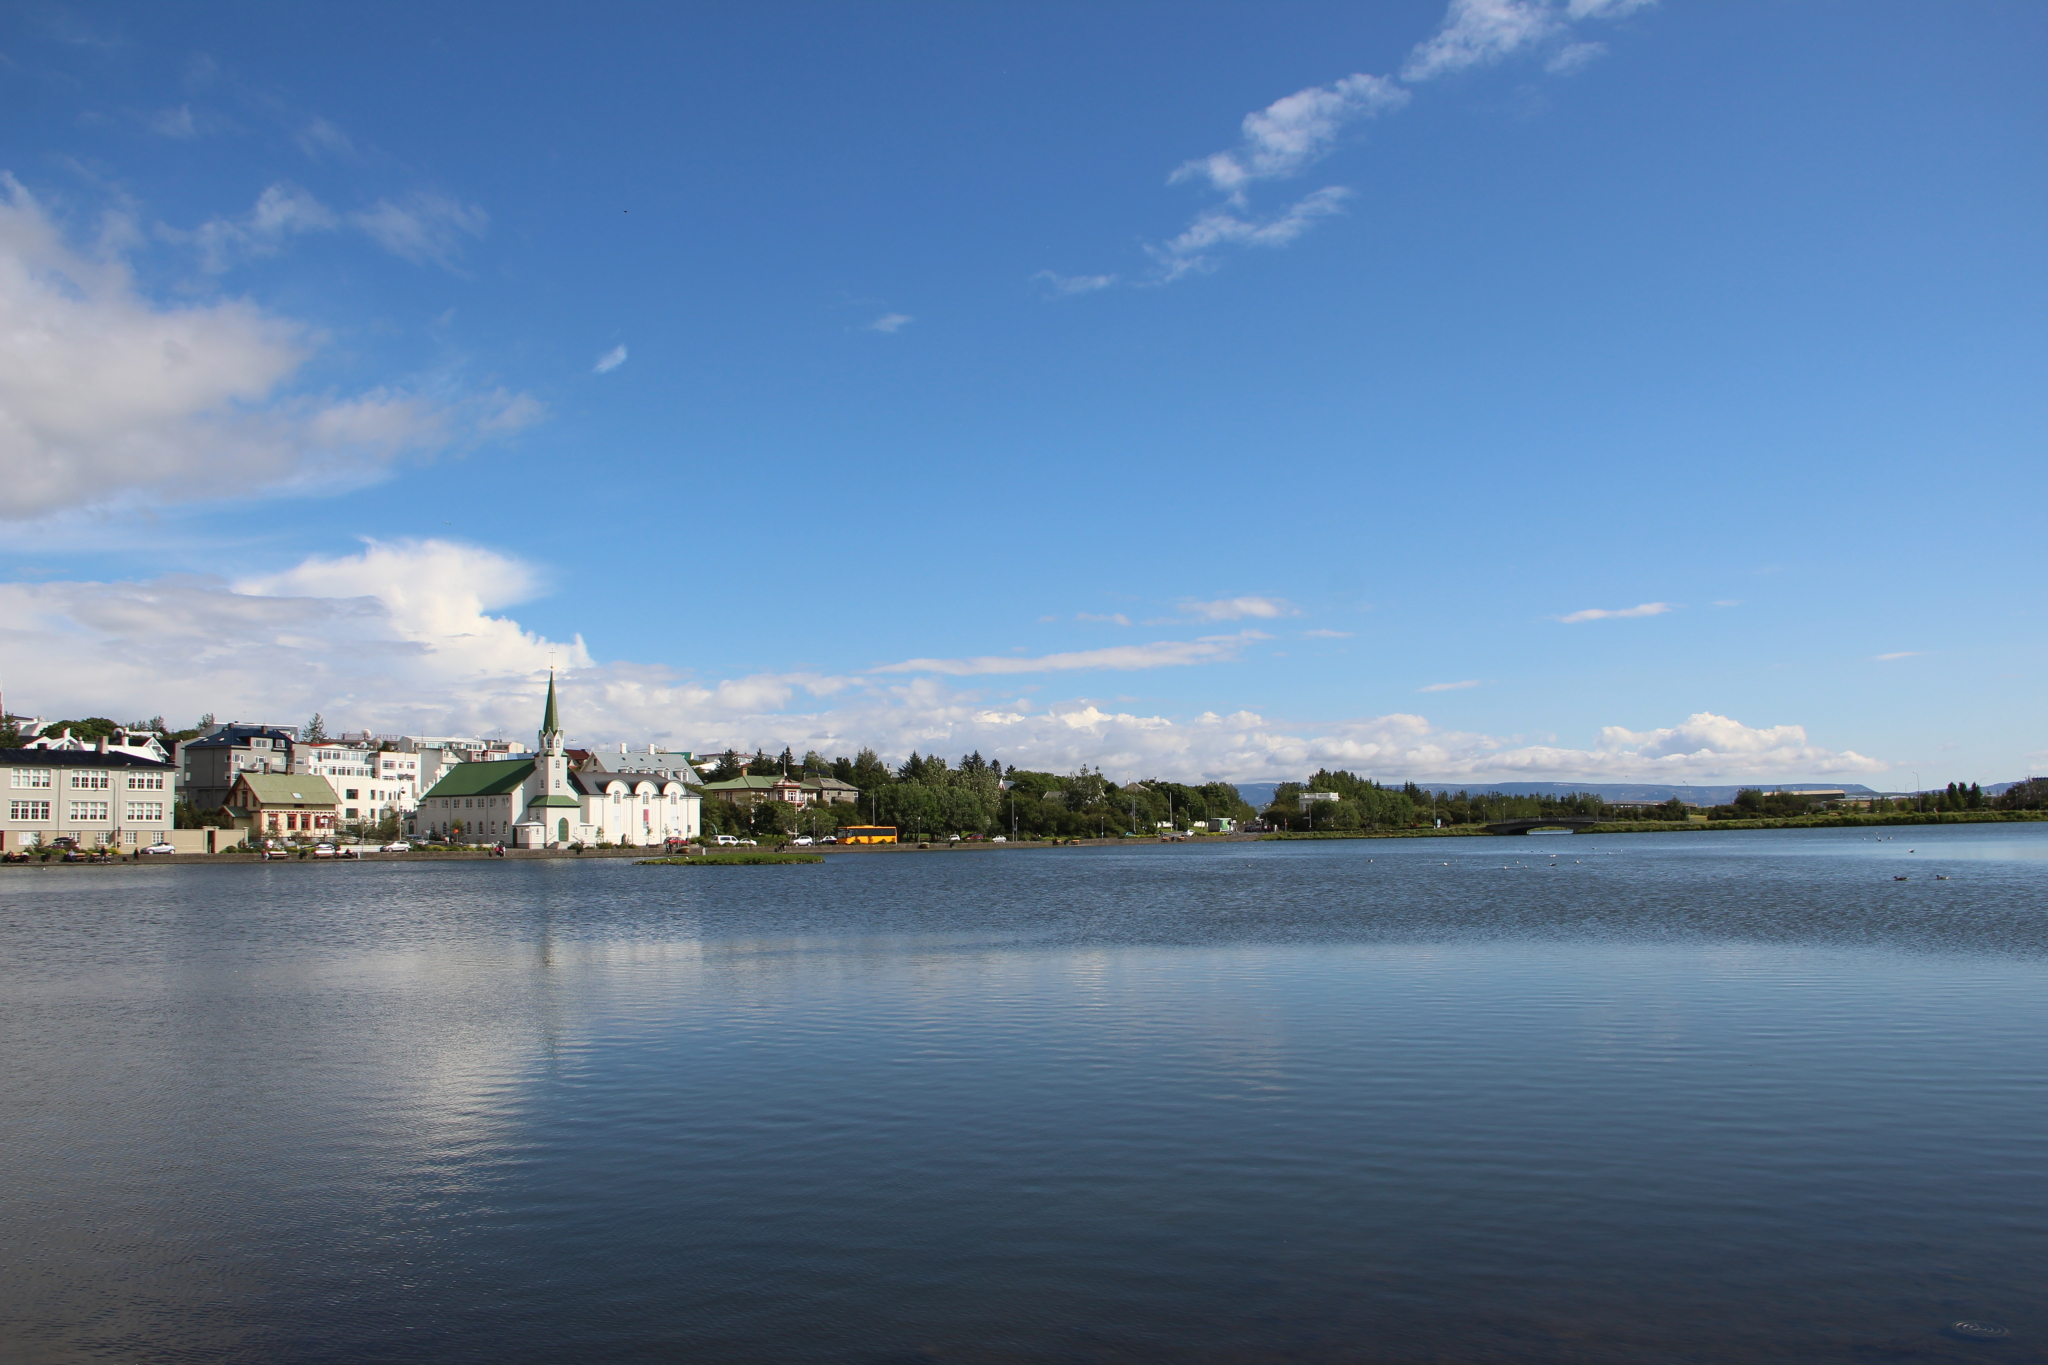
column 551, row 722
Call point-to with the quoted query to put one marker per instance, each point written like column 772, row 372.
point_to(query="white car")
column 803, row 841
column 727, row 840
column 400, row 847
column 1000, row 839
column 161, row 848
column 323, row 850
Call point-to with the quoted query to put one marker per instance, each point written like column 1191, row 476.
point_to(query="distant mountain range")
column 1619, row 793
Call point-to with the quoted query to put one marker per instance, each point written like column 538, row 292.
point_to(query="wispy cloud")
column 1901, row 654
column 1227, row 226
column 281, row 212
column 1574, row 58
column 1327, row 634
column 1239, row 608
column 1450, row 687
column 1604, row 614
column 891, row 323
column 1209, row 649
column 1293, row 132
column 1479, row 32
column 1296, row 131
column 1066, row 286
column 175, row 123
column 425, row 228
column 1729, row 602
column 1113, row 619
column 320, row 140
column 610, row 360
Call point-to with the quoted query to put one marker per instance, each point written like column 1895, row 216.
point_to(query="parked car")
column 829, row 839
column 161, row 848
column 1000, row 839
column 727, row 840
column 401, row 846
column 803, row 841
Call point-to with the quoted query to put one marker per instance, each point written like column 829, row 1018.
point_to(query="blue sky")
column 1585, row 389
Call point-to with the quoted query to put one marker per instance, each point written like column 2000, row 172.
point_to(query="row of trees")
column 1343, row 801
column 926, row 797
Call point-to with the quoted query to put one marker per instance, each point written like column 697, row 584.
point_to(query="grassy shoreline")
column 1832, row 820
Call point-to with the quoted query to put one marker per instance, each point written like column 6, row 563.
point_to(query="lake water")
column 1705, row 1097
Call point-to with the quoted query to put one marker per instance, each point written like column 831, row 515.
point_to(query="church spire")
column 551, row 721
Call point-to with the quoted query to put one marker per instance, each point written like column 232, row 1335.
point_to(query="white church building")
column 538, row 801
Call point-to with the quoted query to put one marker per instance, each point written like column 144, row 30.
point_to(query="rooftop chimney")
column 103, row 743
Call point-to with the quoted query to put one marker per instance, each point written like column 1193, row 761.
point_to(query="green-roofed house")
column 282, row 805
column 540, row 802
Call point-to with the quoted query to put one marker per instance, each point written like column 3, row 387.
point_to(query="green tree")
column 315, row 731
column 771, row 819
column 868, row 772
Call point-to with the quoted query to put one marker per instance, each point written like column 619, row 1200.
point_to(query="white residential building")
column 370, row 782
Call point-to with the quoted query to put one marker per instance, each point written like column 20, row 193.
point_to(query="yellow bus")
column 868, row 834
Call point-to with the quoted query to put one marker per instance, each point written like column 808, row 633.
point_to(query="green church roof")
column 550, row 720
column 482, row 779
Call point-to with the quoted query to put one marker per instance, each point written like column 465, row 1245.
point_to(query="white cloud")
column 1604, row 9
column 891, row 323
column 1574, row 57
column 1066, row 286
column 1187, row 253
column 1294, row 132
column 1729, row 602
column 402, row 637
column 1113, row 619
column 108, row 399
column 1450, row 687
column 1481, row 32
column 610, row 360
column 1477, row 32
column 281, row 211
column 1901, row 654
column 1209, row 649
column 1298, row 130
column 1239, row 608
column 423, row 228
column 1327, row 634
column 321, row 139
column 1602, row 614
column 175, row 123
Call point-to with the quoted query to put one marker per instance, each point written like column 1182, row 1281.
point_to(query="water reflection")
column 1698, row 1097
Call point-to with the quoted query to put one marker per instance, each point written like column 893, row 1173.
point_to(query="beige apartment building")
column 97, row 797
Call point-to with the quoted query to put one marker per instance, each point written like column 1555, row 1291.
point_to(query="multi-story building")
column 652, row 759
column 99, row 797
column 210, row 764
column 371, row 782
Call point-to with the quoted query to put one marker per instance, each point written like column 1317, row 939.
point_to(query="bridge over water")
column 1574, row 823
